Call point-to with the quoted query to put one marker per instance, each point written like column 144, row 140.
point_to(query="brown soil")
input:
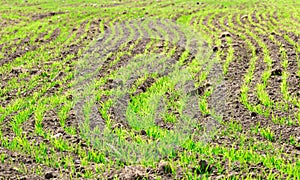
column 234, row 109
column 46, row 15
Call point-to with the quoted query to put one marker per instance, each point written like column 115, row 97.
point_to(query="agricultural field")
column 144, row 89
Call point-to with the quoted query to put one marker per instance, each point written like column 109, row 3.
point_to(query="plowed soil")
column 43, row 135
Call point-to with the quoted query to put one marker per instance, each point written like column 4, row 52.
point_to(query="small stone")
column 57, row 135
column 23, row 178
column 244, row 17
column 219, row 177
column 77, row 161
column 159, row 45
column 14, row 168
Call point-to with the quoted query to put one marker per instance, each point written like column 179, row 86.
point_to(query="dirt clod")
column 49, row 175
column 204, row 166
column 253, row 114
column 225, row 34
column 17, row 70
column 143, row 132
column 276, row 72
column 215, row 48
column 165, row 167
